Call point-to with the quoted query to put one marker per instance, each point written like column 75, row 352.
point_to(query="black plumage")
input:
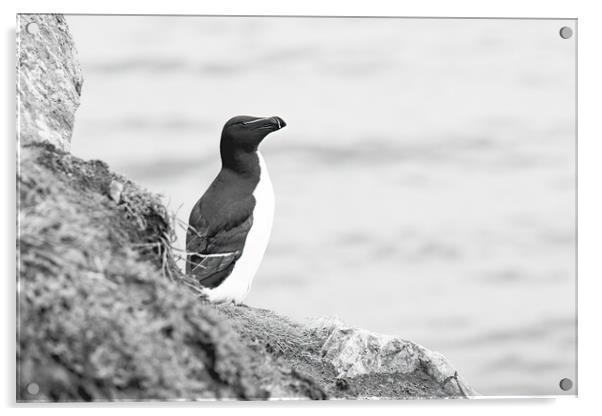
column 222, row 218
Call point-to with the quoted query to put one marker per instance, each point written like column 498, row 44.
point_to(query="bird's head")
column 244, row 133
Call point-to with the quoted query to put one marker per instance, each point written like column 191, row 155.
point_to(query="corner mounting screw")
column 566, row 32
column 566, row 384
column 33, row 389
column 32, row 28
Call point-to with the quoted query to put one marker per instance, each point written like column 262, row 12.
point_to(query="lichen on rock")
column 49, row 80
column 356, row 352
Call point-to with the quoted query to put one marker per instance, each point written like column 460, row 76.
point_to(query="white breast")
column 238, row 283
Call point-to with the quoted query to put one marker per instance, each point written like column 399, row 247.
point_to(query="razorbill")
column 229, row 227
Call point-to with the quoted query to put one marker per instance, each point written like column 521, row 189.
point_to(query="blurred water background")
column 425, row 183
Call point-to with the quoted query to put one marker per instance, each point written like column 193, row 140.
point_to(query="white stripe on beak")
column 253, row 121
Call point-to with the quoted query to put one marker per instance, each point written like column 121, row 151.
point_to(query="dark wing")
column 215, row 242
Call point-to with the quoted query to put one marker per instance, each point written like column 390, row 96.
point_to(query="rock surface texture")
column 355, row 352
column 104, row 312
column 49, row 80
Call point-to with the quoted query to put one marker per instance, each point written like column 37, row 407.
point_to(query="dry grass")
column 98, row 320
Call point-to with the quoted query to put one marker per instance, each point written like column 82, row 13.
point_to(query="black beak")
column 271, row 123
column 278, row 122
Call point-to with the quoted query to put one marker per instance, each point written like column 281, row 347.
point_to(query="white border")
column 590, row 187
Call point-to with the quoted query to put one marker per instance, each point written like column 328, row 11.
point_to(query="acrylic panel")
column 424, row 234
